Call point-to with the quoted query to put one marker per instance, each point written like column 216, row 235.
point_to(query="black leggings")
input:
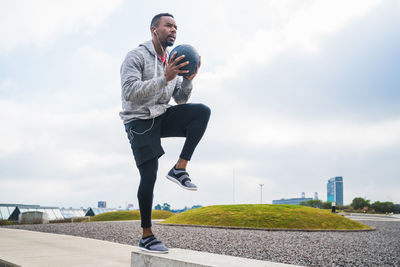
column 187, row 120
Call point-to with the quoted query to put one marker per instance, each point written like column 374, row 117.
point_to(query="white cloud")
column 8, row 88
column 40, row 22
column 29, row 128
column 297, row 27
column 261, row 129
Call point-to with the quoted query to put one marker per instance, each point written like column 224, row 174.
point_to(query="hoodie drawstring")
column 155, row 66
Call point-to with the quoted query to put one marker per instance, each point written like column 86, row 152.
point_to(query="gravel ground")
column 373, row 248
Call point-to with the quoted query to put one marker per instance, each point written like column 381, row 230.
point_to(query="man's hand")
column 194, row 74
column 173, row 69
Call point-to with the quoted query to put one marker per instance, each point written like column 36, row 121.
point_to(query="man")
column 148, row 80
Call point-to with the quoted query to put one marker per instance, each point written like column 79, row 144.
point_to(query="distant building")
column 335, row 190
column 102, row 204
column 53, row 213
column 96, row 211
column 316, row 196
column 292, row 201
column 72, row 213
column 7, row 209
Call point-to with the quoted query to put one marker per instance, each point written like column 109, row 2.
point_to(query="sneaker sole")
column 153, row 251
column 178, row 183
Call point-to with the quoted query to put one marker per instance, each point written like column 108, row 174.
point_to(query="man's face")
column 166, row 31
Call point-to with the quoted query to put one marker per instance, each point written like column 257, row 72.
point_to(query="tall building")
column 102, row 204
column 315, row 195
column 335, row 190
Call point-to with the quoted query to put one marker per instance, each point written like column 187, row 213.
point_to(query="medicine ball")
column 191, row 55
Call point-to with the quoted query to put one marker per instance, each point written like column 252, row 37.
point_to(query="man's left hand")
column 194, row 74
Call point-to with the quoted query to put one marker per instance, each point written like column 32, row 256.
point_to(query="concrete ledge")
column 189, row 258
column 7, row 264
column 34, row 249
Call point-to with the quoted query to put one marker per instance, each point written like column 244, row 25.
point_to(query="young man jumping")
column 149, row 79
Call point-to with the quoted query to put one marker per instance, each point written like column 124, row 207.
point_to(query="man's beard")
column 166, row 43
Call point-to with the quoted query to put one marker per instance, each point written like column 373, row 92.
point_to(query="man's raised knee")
column 204, row 110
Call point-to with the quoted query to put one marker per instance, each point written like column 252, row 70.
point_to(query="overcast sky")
column 300, row 92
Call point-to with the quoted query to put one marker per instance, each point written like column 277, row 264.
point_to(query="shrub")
column 7, row 222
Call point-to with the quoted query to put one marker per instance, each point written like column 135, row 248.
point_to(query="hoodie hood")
column 149, row 46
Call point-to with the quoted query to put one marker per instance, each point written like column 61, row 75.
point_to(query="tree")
column 377, row 206
column 317, row 204
column 312, row 203
column 157, row 207
column 383, row 206
column 397, row 208
column 389, row 206
column 359, row 203
column 166, row 207
column 327, row 205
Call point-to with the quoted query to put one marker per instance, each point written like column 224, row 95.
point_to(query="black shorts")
column 145, row 139
column 145, row 135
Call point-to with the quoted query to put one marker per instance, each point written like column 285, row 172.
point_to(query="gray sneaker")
column 151, row 244
column 181, row 177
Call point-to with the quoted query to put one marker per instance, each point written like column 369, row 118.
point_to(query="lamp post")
column 261, row 185
column 233, row 188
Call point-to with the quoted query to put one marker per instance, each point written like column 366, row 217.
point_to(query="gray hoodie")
column 145, row 91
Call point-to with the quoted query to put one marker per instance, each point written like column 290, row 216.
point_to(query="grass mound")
column 266, row 216
column 128, row 215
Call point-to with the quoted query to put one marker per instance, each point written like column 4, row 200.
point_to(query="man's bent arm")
column 133, row 88
column 182, row 91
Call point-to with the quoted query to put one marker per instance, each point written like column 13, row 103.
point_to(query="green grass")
column 129, row 215
column 266, row 216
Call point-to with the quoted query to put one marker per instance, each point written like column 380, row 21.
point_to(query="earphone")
column 145, row 131
column 158, row 39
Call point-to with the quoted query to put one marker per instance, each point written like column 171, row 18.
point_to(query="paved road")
column 373, row 217
column 374, row 248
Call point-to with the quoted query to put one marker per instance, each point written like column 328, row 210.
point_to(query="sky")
column 300, row 92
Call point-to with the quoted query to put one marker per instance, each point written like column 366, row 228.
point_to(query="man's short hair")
column 156, row 20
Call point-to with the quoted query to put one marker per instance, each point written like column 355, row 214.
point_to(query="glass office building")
column 291, row 201
column 335, row 190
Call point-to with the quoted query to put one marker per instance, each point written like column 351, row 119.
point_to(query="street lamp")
column 261, row 185
column 233, row 188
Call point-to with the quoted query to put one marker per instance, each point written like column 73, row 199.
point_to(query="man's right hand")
column 173, row 69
